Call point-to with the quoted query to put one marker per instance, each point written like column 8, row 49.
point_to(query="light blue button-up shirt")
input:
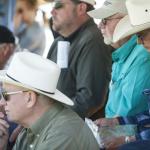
column 130, row 75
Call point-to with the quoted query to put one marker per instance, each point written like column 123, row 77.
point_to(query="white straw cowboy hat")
column 109, row 8
column 33, row 72
column 138, row 19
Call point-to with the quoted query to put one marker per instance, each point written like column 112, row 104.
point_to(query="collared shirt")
column 87, row 77
column 58, row 129
column 130, row 75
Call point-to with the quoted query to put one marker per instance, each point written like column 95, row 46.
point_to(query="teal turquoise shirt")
column 130, row 76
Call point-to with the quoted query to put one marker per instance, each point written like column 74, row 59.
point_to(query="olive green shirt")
column 58, row 129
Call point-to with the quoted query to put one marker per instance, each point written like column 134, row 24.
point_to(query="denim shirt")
column 130, row 75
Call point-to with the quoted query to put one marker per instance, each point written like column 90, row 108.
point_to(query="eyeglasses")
column 104, row 20
column 59, row 4
column 5, row 95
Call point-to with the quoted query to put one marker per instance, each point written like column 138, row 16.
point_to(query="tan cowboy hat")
column 33, row 72
column 138, row 19
column 109, row 8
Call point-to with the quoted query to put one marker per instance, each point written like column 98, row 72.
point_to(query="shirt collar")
column 122, row 53
column 71, row 37
column 47, row 117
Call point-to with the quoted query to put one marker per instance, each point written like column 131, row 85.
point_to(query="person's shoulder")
column 91, row 31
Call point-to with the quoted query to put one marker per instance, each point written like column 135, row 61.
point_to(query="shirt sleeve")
column 137, row 81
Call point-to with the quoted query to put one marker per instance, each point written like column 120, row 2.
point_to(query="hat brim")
column 101, row 13
column 56, row 96
column 124, row 28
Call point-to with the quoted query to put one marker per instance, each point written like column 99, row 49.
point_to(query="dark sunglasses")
column 59, row 4
column 5, row 95
column 104, row 20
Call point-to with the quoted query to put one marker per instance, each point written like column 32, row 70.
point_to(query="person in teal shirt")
column 131, row 63
column 130, row 75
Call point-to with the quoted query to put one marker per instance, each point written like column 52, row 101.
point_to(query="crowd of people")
column 89, row 67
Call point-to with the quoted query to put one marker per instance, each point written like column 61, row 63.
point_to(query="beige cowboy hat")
column 33, row 72
column 138, row 19
column 109, row 8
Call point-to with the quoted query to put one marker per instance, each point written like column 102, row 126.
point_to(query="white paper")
column 63, row 48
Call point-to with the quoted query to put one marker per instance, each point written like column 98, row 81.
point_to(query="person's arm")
column 138, row 119
column 138, row 80
column 3, row 132
column 92, row 78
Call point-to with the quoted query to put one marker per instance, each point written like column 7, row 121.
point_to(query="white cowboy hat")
column 138, row 11
column 109, row 8
column 138, row 19
column 124, row 29
column 33, row 72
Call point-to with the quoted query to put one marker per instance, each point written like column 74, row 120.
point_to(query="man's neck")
column 37, row 113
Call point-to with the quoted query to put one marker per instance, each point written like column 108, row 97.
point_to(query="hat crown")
column 109, row 8
column 34, row 71
column 142, row 9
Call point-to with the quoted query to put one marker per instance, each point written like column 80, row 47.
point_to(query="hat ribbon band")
column 20, row 82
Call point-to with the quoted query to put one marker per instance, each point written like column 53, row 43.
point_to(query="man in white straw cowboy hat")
column 131, row 24
column 86, row 75
column 123, row 99
column 137, row 21
column 30, row 98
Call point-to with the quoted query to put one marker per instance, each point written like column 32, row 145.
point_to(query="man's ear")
column 31, row 99
column 82, row 7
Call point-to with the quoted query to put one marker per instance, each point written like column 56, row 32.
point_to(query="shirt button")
column 37, row 135
column 31, row 146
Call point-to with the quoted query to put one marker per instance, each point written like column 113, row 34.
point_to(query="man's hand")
column 107, row 122
column 3, row 132
column 114, row 143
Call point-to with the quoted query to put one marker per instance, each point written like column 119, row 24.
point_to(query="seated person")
column 7, row 45
column 34, row 102
column 141, row 26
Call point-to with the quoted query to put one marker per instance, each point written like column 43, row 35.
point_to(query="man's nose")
column 2, row 102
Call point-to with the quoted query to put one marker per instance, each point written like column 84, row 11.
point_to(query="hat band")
column 35, row 88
